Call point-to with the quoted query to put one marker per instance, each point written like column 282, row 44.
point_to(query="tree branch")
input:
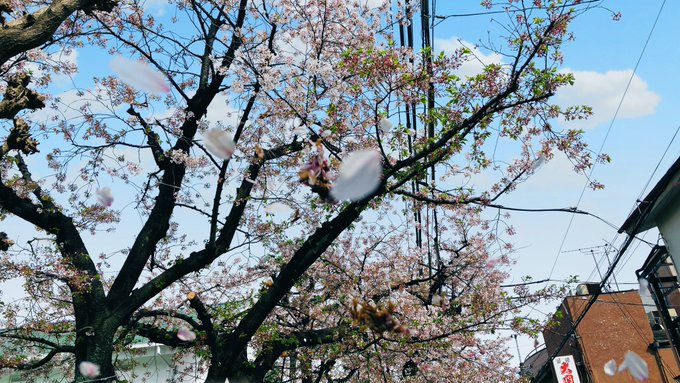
column 158, row 223
column 37, row 28
column 308, row 338
column 199, row 259
column 151, row 137
column 18, row 97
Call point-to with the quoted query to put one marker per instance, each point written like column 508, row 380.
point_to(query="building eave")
column 664, row 192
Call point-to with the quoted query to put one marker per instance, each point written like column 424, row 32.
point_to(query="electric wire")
column 635, row 204
column 611, row 124
column 630, row 238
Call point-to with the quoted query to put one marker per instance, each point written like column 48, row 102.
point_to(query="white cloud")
column 70, row 103
column 475, row 62
column 155, row 7
column 603, row 92
column 372, row 3
column 60, row 80
column 220, row 110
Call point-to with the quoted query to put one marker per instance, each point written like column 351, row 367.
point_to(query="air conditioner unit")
column 581, row 289
column 588, row 288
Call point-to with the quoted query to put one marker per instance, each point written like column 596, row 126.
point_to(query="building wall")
column 553, row 335
column 617, row 323
column 669, row 226
column 148, row 363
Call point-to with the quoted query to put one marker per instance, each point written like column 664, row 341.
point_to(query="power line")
column 639, row 197
column 629, row 318
column 457, row 15
column 630, row 238
column 594, row 297
column 609, row 128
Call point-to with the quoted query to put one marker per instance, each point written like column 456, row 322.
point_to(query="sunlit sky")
column 602, row 58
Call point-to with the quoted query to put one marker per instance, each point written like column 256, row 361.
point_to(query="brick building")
column 616, row 323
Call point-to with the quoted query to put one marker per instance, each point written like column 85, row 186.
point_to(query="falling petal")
column 278, row 207
column 296, row 125
column 437, row 300
column 386, row 125
column 88, row 369
column 300, row 130
column 538, row 163
column 219, row 143
column 139, row 75
column 644, row 286
column 635, row 365
column 105, row 197
column 359, row 176
column 610, row 368
column 185, row 334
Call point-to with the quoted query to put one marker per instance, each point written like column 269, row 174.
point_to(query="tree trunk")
column 217, row 375
column 239, row 372
column 95, row 344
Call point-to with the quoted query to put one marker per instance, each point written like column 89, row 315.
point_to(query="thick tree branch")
column 49, row 218
column 37, row 28
column 308, row 338
column 199, row 259
column 35, row 339
column 18, row 97
column 158, row 335
column 304, row 257
column 151, row 138
column 203, row 315
column 158, row 222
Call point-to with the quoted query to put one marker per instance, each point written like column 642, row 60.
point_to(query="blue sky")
column 602, row 57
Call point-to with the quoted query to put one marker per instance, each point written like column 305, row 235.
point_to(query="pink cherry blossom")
column 437, row 300
column 491, row 263
column 315, row 172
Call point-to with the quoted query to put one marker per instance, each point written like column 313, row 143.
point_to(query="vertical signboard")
column 565, row 369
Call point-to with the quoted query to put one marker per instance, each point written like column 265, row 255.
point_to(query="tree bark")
column 35, row 29
column 95, row 344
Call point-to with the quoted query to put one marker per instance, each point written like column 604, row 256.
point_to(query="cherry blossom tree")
column 298, row 176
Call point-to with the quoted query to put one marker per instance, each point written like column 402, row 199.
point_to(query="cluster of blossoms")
column 378, row 319
column 181, row 157
column 316, row 172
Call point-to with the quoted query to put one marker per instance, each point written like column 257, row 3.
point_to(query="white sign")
column 565, row 369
